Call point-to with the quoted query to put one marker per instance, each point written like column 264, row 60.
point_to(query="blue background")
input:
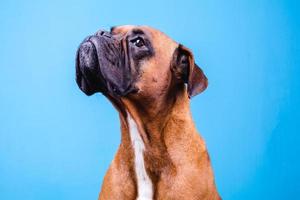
column 56, row 143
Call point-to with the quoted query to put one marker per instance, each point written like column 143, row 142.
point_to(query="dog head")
column 136, row 62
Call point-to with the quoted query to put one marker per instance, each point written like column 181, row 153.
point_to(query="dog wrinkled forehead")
column 155, row 34
column 122, row 29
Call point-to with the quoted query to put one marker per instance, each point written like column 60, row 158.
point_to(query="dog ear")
column 197, row 82
column 185, row 69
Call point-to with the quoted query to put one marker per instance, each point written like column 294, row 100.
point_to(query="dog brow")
column 137, row 31
column 112, row 28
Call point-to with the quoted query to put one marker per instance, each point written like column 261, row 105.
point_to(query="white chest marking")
column 144, row 184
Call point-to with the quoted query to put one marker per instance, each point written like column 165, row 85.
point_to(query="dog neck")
column 147, row 135
column 154, row 120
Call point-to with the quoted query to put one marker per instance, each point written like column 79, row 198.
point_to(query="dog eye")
column 139, row 42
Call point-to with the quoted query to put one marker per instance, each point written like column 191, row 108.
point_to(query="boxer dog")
column 149, row 78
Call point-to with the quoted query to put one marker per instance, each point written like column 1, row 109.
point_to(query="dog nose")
column 102, row 33
column 87, row 56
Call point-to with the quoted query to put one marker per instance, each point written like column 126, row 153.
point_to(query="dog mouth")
column 89, row 77
column 103, row 66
